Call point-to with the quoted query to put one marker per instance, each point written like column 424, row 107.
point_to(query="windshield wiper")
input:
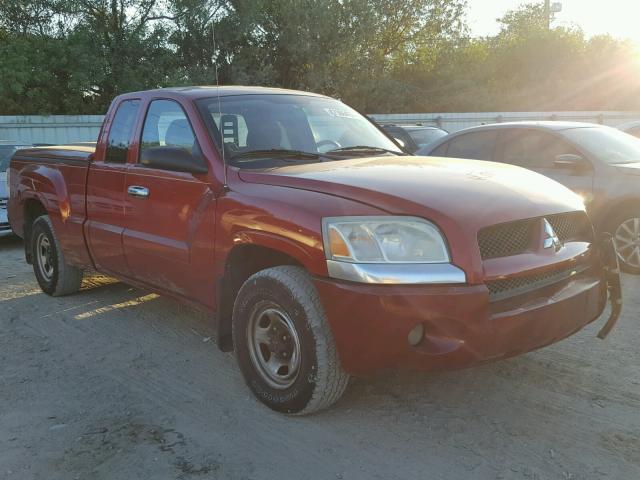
column 365, row 148
column 278, row 152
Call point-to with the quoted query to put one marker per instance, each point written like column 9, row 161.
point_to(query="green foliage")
column 74, row 56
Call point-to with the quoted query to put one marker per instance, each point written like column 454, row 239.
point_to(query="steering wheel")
column 329, row 143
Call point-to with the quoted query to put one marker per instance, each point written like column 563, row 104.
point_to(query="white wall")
column 85, row 128
column 50, row 129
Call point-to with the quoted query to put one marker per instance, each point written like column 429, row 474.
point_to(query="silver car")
column 7, row 149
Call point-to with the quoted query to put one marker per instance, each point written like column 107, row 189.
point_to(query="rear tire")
column 625, row 228
column 54, row 275
column 283, row 342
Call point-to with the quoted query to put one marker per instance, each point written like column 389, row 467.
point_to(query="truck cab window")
column 120, row 132
column 166, row 124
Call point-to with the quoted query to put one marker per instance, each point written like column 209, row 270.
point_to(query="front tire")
column 625, row 228
column 283, row 342
column 54, row 275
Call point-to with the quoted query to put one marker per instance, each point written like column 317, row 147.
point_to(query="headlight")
column 383, row 240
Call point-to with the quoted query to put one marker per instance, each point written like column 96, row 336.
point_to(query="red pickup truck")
column 321, row 249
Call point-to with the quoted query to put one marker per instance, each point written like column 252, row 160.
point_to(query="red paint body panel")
column 105, row 216
column 179, row 254
column 178, row 240
column 371, row 323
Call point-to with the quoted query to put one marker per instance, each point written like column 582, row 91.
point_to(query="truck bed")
column 77, row 154
column 54, row 177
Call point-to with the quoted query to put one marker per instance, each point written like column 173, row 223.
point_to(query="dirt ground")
column 117, row 383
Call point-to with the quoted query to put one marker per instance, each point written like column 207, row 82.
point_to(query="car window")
column 121, row 130
column 166, row 124
column 426, row 136
column 533, row 148
column 473, row 145
column 441, row 151
column 606, row 144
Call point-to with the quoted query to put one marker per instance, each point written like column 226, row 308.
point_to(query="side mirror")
column 176, row 159
column 571, row 161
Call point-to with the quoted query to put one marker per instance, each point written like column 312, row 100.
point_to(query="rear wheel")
column 283, row 343
column 626, row 235
column 54, row 276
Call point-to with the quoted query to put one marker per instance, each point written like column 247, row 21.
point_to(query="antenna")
column 225, row 187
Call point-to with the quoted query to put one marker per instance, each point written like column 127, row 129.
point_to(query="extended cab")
column 322, row 249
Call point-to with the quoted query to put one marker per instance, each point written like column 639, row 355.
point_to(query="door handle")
column 136, row 191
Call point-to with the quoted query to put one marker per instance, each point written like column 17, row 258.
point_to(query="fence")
column 50, row 129
column 85, row 128
column 453, row 122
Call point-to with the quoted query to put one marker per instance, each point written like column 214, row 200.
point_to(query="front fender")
column 284, row 244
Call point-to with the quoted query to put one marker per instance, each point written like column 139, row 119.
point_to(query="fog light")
column 416, row 335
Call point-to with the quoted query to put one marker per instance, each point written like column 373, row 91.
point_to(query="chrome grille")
column 513, row 238
column 509, row 287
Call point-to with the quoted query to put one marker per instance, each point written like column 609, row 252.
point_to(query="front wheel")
column 54, row 275
column 626, row 235
column 284, row 346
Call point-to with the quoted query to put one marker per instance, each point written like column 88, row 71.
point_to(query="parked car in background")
column 320, row 249
column 599, row 163
column 632, row 128
column 414, row 137
column 7, row 149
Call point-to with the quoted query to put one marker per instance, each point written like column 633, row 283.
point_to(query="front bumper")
column 371, row 323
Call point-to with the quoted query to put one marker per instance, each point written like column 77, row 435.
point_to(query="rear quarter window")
column 474, row 145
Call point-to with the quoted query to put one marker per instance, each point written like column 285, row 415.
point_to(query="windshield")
column 606, row 144
column 261, row 131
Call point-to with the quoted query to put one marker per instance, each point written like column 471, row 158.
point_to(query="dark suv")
column 599, row 163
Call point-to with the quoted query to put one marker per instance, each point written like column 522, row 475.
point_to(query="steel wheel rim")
column 627, row 240
column 44, row 256
column 274, row 346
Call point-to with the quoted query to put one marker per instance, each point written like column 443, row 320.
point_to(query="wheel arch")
column 32, row 208
column 242, row 261
column 612, row 210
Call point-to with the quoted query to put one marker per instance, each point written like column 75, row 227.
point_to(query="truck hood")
column 465, row 193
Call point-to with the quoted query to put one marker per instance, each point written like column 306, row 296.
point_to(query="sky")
column 620, row 18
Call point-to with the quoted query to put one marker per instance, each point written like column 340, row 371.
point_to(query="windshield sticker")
column 334, row 112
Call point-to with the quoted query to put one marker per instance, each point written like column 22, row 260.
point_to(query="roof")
column 543, row 125
column 548, row 125
column 226, row 91
column 410, row 126
column 629, row 125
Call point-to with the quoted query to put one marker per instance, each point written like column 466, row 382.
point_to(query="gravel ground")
column 118, row 383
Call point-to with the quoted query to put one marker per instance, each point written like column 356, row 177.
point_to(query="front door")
column 170, row 215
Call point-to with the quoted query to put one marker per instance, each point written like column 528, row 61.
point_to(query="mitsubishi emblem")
column 550, row 237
